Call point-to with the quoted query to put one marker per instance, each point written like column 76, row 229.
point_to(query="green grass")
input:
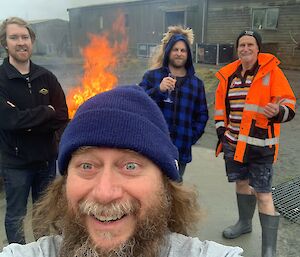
column 207, row 74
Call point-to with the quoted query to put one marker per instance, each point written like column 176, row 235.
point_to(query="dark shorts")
column 259, row 174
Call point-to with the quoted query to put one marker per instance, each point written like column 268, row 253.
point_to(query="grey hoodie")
column 178, row 246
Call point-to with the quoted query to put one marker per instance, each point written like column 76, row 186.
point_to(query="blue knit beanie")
column 126, row 118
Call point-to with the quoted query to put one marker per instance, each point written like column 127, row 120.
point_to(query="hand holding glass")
column 169, row 100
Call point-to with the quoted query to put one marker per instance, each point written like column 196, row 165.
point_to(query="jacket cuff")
column 285, row 114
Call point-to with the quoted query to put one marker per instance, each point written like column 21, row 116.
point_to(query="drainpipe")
column 204, row 19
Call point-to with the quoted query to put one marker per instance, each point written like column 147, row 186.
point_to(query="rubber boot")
column 246, row 205
column 269, row 226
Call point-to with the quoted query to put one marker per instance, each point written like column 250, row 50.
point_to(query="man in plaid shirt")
column 172, row 84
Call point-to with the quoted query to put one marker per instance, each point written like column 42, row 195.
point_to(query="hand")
column 271, row 110
column 167, row 83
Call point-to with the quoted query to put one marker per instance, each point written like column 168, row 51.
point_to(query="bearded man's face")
column 118, row 205
column 178, row 55
column 19, row 44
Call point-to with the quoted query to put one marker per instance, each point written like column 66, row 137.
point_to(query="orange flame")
column 100, row 60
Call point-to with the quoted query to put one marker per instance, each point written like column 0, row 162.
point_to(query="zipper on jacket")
column 17, row 151
column 28, row 84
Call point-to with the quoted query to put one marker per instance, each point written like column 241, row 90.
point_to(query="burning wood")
column 101, row 56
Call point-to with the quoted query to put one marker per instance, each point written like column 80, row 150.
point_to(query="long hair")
column 156, row 60
column 49, row 211
column 185, row 208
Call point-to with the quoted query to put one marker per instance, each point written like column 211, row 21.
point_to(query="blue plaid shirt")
column 187, row 115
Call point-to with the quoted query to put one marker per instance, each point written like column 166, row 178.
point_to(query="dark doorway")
column 174, row 18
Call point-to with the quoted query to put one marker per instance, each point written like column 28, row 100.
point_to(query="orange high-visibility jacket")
column 258, row 136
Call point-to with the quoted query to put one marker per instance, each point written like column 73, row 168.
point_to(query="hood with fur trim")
column 174, row 39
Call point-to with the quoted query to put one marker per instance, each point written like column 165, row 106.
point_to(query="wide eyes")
column 131, row 166
column 86, row 166
column 125, row 167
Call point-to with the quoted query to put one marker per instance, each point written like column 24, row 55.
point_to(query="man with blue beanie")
column 118, row 195
column 172, row 84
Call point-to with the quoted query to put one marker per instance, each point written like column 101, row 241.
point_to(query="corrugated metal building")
column 146, row 21
column 216, row 23
column 52, row 37
column 277, row 21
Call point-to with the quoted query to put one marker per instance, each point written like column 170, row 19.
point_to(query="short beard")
column 147, row 240
column 173, row 63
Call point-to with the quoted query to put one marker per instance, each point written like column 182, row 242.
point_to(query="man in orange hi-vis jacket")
column 252, row 99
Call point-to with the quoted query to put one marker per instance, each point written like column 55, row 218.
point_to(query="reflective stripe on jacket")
column 258, row 136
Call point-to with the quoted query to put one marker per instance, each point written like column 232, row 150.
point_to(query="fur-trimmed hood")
column 174, row 35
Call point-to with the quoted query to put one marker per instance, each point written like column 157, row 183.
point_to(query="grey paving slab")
column 218, row 202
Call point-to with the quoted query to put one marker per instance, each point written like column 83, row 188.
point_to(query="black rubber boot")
column 269, row 227
column 246, row 205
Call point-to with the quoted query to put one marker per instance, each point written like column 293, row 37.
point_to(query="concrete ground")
column 218, row 202
column 217, row 199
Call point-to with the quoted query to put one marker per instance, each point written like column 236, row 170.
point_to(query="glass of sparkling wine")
column 168, row 99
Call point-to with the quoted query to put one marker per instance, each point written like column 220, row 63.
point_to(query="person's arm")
column 219, row 116
column 281, row 107
column 200, row 114
column 213, row 249
column 47, row 246
column 58, row 102
column 220, row 110
column 192, row 247
column 14, row 119
column 152, row 88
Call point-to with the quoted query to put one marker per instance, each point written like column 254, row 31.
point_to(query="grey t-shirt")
column 178, row 246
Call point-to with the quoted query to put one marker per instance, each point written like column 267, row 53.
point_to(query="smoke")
column 77, row 3
column 44, row 9
column 35, row 9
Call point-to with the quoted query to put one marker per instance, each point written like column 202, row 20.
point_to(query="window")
column 79, row 23
column 265, row 18
column 101, row 22
column 50, row 48
column 174, row 18
column 126, row 20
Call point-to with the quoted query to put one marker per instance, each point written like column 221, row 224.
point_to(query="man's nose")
column 108, row 186
column 20, row 41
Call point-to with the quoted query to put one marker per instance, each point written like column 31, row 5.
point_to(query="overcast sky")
column 43, row 9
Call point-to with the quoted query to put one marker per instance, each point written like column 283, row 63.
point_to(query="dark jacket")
column 188, row 114
column 28, row 125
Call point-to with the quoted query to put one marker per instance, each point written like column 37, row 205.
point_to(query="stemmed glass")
column 168, row 99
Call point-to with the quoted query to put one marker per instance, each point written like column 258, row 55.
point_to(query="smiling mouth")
column 107, row 219
column 246, row 55
column 22, row 50
column 108, row 213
